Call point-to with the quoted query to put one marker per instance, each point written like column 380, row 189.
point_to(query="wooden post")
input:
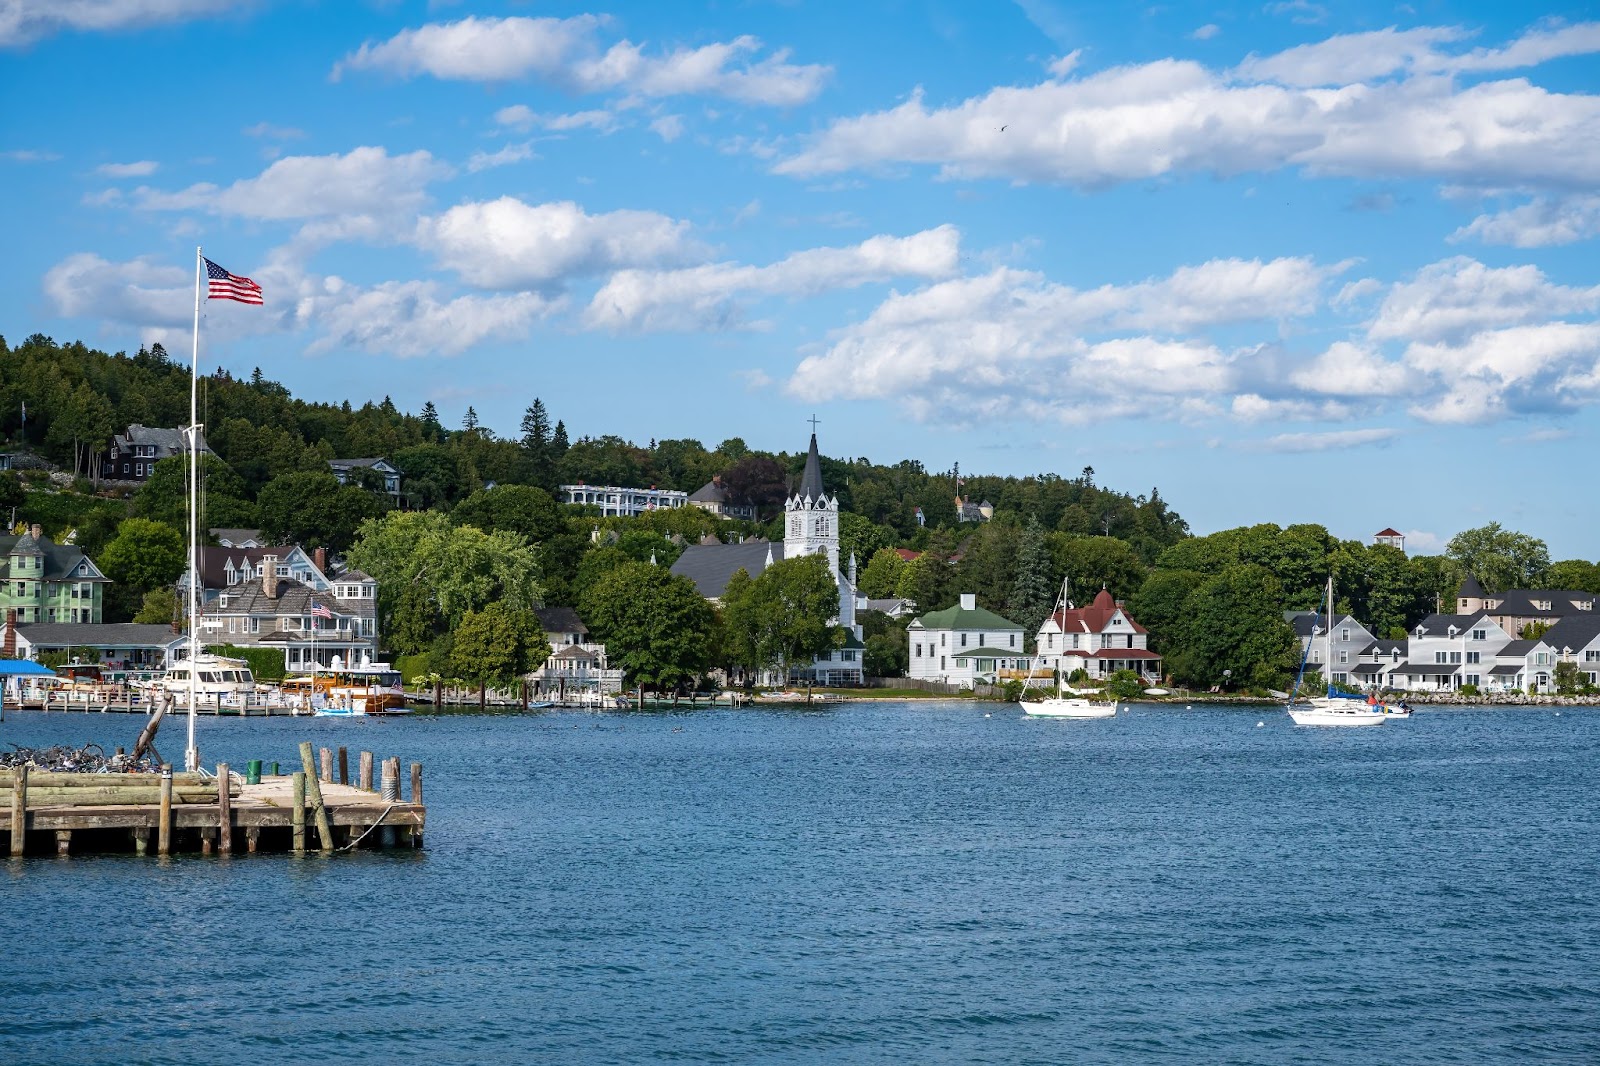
column 205, row 841
column 224, row 811
column 19, row 810
column 438, row 694
column 344, row 766
column 297, row 782
column 314, row 792
column 252, row 838
column 141, row 839
column 524, row 695
column 164, row 827
column 391, row 794
column 365, row 781
column 63, row 843
column 416, row 783
column 325, row 760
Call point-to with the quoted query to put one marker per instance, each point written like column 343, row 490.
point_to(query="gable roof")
column 957, row 618
column 60, row 560
column 167, row 442
column 1574, row 631
column 99, row 635
column 1391, row 532
column 346, row 464
column 1436, row 625
column 710, row 566
column 560, row 620
column 1518, row 647
column 294, row 598
column 1093, row 618
column 1520, row 602
column 214, row 563
column 235, row 537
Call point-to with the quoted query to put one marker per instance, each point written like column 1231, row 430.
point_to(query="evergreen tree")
column 470, row 421
column 536, row 430
column 1031, row 593
column 430, row 414
column 558, row 441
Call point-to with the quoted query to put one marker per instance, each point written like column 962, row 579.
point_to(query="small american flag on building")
column 226, row 286
column 319, row 611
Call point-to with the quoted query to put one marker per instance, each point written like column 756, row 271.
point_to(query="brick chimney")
column 37, row 530
column 8, row 649
column 320, row 557
column 269, row 576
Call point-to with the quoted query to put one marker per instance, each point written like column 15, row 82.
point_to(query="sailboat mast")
column 191, row 755
column 1328, row 665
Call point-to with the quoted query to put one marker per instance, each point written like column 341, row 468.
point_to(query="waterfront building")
column 1446, row 651
column 1099, row 639
column 964, row 644
column 48, row 582
column 133, row 455
column 116, row 647
column 615, row 501
column 811, row 527
column 1576, row 639
column 1335, row 656
column 1516, row 609
column 309, row 626
column 576, row 662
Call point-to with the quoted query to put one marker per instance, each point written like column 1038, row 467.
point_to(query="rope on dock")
column 371, row 827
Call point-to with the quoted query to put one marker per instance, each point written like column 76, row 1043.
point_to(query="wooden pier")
column 167, row 813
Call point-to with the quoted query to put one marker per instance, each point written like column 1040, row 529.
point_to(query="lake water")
column 905, row 883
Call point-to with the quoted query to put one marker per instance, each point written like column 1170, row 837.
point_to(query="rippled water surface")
column 878, row 883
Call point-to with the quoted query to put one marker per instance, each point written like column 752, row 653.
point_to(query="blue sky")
column 1289, row 261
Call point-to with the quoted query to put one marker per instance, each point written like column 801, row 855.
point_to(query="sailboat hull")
column 1061, row 707
column 1336, row 716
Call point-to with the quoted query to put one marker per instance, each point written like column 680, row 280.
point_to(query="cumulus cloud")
column 142, row 169
column 1553, row 366
column 1386, row 113
column 524, row 118
column 25, row 21
column 1013, row 339
column 138, row 292
column 569, row 54
column 1539, row 223
column 410, row 319
column 506, row 243
column 1456, row 298
column 706, row 296
column 364, row 182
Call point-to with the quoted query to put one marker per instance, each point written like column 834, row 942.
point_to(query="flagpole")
column 191, row 755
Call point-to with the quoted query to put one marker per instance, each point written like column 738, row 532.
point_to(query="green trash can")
column 252, row 772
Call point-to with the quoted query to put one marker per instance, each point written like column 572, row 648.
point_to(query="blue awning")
column 24, row 668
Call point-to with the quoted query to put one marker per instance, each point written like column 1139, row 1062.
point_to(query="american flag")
column 319, row 611
column 226, row 286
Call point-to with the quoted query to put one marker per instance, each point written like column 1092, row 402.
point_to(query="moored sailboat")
column 1062, row 705
column 1334, row 708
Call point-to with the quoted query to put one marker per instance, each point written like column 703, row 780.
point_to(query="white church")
column 811, row 527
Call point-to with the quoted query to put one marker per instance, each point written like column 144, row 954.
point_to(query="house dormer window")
column 1480, row 634
column 222, row 600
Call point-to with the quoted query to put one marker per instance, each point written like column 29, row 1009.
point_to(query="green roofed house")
column 964, row 644
column 43, row 581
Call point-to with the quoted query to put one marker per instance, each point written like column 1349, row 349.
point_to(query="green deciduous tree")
column 782, row 618
column 1160, row 606
column 498, row 645
column 144, row 555
column 656, row 626
column 1234, row 621
column 1499, row 558
column 312, row 509
column 518, row 508
column 160, row 607
column 881, row 575
column 1093, row 563
column 1573, row 575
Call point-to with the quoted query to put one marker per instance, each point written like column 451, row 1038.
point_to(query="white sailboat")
column 1062, row 705
column 1332, row 709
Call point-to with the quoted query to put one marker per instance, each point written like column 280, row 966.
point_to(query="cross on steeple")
column 813, row 420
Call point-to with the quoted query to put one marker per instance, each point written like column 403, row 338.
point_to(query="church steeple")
column 811, row 517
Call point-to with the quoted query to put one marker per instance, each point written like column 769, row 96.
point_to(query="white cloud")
column 1333, row 440
column 511, row 153
column 365, row 182
column 1206, row 32
column 138, row 292
column 1538, row 223
column 523, row 118
column 668, row 127
column 142, row 169
column 1348, row 369
column 25, row 21
column 29, row 155
column 409, row 319
column 505, row 243
column 1551, row 366
column 567, row 53
column 704, row 296
column 1455, row 298
column 1176, row 116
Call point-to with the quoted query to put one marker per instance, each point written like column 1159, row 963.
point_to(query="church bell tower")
column 811, row 516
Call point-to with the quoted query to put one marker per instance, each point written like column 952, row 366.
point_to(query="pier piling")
column 224, row 811
column 297, row 786
column 164, row 825
column 314, row 792
column 19, row 810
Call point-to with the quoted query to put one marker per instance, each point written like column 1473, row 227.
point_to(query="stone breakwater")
column 1503, row 699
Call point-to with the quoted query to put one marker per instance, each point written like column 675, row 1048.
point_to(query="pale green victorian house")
column 48, row 582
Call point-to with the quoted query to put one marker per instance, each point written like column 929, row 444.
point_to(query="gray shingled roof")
column 1436, row 625
column 1470, row 589
column 294, row 598
column 1519, row 602
column 98, row 635
column 1573, row 631
column 560, row 620
column 167, row 442
column 710, row 566
column 59, row 559
column 710, row 492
